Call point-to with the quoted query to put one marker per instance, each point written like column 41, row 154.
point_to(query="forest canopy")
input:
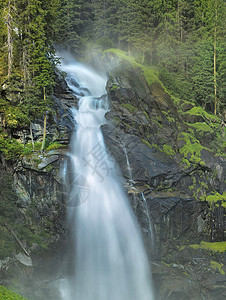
column 185, row 40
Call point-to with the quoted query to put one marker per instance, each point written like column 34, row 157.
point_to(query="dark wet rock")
column 186, row 106
column 176, row 281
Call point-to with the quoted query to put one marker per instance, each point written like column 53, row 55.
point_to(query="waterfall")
column 144, row 201
column 131, row 182
column 128, row 166
column 110, row 262
column 151, row 234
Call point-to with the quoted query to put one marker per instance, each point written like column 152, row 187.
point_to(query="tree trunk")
column 215, row 63
column 16, row 238
column 44, row 129
column 32, row 139
column 181, row 31
column 179, row 21
column 10, row 44
column 143, row 57
column 129, row 48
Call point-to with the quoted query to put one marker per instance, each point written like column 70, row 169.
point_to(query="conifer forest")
column 143, row 81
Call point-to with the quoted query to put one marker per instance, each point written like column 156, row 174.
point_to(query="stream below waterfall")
column 109, row 261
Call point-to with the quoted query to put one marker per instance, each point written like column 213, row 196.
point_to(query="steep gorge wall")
column 171, row 165
column 174, row 164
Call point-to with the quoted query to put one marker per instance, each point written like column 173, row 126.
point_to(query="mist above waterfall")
column 110, row 262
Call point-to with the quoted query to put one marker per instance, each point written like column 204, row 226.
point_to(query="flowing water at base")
column 110, row 260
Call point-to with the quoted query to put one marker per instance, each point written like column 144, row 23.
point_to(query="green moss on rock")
column 199, row 111
column 168, row 150
column 6, row 294
column 146, row 143
column 217, row 266
column 149, row 72
column 192, row 149
column 129, row 107
column 114, row 87
column 201, row 127
column 212, row 247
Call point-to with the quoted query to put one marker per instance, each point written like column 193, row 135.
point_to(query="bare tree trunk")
column 32, row 139
column 181, row 31
column 129, row 48
column 215, row 62
column 10, row 43
column 25, row 64
column 26, row 52
column 16, row 238
column 119, row 42
column 143, row 57
column 179, row 21
column 44, row 129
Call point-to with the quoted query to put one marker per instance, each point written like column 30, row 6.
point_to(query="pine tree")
column 3, row 41
column 210, row 18
column 26, row 41
column 69, row 23
column 7, row 26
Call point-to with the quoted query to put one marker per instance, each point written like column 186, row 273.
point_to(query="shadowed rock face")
column 146, row 122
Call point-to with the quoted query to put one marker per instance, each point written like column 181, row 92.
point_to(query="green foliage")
column 215, row 198
column 203, row 72
column 14, row 116
column 104, row 43
column 6, row 294
column 74, row 21
column 176, row 36
column 175, row 84
column 10, row 147
column 31, row 29
column 54, row 146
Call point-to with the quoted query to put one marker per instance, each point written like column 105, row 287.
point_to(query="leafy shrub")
column 54, row 146
column 10, row 147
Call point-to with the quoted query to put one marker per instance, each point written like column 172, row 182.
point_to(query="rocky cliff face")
column 166, row 150
column 35, row 238
column 174, row 167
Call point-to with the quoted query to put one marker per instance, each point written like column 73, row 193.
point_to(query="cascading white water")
column 128, row 166
column 110, row 260
column 148, row 219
